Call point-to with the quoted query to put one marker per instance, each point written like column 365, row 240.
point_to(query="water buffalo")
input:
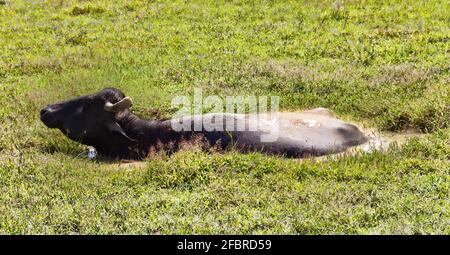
column 104, row 120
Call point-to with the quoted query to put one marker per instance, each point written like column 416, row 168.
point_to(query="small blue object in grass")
column 92, row 153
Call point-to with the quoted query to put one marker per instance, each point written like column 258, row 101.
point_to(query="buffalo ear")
column 115, row 128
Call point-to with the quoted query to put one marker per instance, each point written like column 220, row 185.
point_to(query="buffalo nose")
column 44, row 111
column 48, row 118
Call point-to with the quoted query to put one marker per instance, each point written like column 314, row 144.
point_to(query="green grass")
column 385, row 64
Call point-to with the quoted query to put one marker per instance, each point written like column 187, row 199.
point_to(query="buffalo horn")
column 123, row 104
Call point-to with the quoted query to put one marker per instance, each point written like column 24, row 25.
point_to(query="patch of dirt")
column 378, row 141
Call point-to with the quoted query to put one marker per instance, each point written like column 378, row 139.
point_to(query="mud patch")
column 378, row 141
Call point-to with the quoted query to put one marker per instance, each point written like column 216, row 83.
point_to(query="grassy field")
column 383, row 64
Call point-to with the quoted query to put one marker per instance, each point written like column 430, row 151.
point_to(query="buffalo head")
column 97, row 120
